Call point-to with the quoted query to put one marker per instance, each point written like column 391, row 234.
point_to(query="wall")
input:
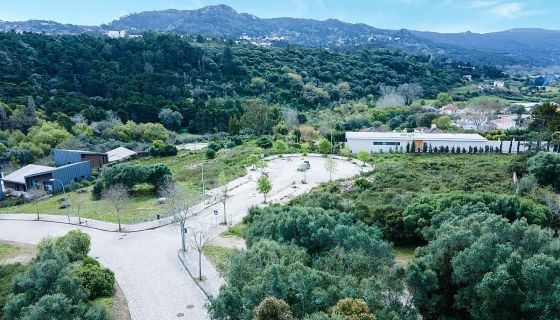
column 96, row 160
column 42, row 180
column 358, row 144
column 63, row 157
column 71, row 173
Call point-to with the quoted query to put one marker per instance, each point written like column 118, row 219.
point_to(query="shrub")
column 97, row 280
column 264, row 142
column 272, row 309
column 215, row 146
column 75, row 244
column 163, row 151
column 210, row 154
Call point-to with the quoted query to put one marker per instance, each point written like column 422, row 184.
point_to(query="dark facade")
column 65, row 157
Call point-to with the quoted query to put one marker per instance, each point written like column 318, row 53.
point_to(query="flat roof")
column 119, row 154
column 81, row 151
column 415, row 136
column 19, row 175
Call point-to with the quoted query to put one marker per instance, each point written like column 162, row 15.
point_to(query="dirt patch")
column 23, row 254
column 120, row 304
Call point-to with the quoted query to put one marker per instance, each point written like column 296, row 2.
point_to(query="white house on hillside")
column 504, row 123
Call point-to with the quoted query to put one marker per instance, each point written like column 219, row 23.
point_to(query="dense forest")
column 200, row 78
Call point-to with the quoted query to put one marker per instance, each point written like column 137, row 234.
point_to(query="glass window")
column 386, row 143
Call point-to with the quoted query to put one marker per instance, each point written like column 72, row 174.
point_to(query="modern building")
column 46, row 178
column 64, row 157
column 397, row 141
column 120, row 153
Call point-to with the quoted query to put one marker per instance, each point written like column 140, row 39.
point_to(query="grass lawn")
column 8, row 250
column 218, row 257
column 186, row 168
column 237, row 231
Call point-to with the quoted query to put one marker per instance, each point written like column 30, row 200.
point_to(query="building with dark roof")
column 64, row 157
column 46, row 178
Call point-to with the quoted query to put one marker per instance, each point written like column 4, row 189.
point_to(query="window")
column 386, row 143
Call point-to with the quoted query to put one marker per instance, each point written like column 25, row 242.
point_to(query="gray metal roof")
column 19, row 175
column 119, row 154
column 82, row 151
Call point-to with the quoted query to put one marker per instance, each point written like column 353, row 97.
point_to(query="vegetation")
column 61, row 293
column 310, row 258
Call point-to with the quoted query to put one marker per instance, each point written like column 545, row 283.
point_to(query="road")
column 145, row 263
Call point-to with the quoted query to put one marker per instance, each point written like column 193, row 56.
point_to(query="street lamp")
column 65, row 197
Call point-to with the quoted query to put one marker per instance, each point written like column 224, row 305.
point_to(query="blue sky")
column 432, row 15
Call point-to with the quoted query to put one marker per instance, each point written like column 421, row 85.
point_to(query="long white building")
column 397, row 141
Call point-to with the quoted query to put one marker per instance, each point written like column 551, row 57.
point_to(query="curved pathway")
column 145, row 262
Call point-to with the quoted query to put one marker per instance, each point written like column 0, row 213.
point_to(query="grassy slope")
column 8, row 250
column 186, row 169
column 407, row 175
column 218, row 257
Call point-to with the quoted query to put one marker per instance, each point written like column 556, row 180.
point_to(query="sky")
column 429, row 15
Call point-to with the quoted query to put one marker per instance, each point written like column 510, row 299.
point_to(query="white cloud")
column 510, row 10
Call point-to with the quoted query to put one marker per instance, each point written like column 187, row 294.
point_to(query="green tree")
column 264, row 186
column 546, row 168
column 477, row 265
column 280, row 146
column 75, row 244
column 352, row 309
column 271, row 308
column 97, row 280
column 443, row 122
column 324, row 146
column 363, row 156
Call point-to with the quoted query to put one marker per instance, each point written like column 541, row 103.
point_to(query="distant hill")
column 532, row 47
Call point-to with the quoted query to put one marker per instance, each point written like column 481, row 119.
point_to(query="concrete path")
column 145, row 262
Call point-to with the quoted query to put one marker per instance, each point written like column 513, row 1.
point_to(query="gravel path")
column 145, row 263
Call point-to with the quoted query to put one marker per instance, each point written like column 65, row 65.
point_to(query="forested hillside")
column 201, row 79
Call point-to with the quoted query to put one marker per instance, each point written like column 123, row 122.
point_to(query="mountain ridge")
column 524, row 46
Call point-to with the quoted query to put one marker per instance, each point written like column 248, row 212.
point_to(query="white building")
column 397, row 141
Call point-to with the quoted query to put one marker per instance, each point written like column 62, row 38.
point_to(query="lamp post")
column 65, row 197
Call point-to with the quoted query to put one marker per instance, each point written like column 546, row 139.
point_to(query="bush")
column 264, row 142
column 99, row 281
column 163, row 151
column 546, row 169
column 421, row 213
column 215, row 146
column 75, row 244
column 210, row 154
column 142, row 189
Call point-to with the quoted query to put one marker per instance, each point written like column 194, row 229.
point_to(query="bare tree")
column 35, row 195
column 290, row 118
column 409, row 91
column 178, row 206
column 552, row 202
column 118, row 196
column 197, row 240
column 76, row 203
column 390, row 97
column 330, row 166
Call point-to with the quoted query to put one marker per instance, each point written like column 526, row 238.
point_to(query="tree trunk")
column 119, row 219
column 183, row 239
column 200, row 265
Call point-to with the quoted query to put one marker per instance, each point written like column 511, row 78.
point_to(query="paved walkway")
column 145, row 262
